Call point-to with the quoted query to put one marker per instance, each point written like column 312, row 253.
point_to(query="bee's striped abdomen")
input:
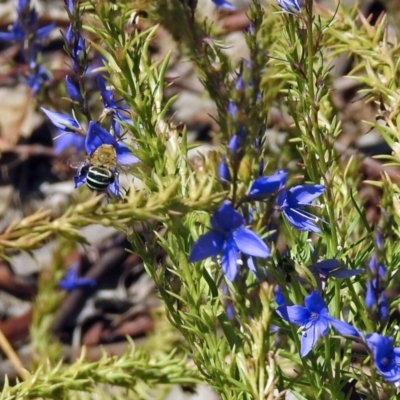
column 99, row 178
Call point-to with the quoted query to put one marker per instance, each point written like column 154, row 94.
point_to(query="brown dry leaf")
column 18, row 117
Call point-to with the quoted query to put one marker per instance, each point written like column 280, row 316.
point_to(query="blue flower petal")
column 116, row 127
column 396, row 352
column 279, row 296
column 298, row 315
column 43, row 32
column 300, row 222
column 315, row 303
column 229, row 260
column 208, row 245
column 77, row 142
column 304, row 194
column 106, row 94
column 267, row 185
column 324, row 267
column 70, row 5
column 290, row 5
column 226, row 5
column 223, row 172
column 346, row 273
column 281, row 200
column 21, row 5
column 113, row 188
column 124, row 155
column 232, row 109
column 343, row 328
column 73, row 90
column 249, row 243
column 384, row 356
column 370, row 296
column 226, row 219
column 237, row 143
column 96, row 137
column 383, row 307
column 308, row 340
column 85, row 282
column 251, row 265
column 8, row 36
column 61, row 121
column 322, row 325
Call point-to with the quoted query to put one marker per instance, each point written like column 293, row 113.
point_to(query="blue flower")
column 16, row 34
column 322, row 270
column 68, row 140
column 267, row 185
column 290, row 5
column 223, row 172
column 386, row 357
column 228, row 237
column 237, row 144
column 75, row 45
column 292, row 202
column 70, row 5
column 26, row 26
column 375, row 297
column 232, row 109
column 37, row 78
column 73, row 90
column 111, row 106
column 62, row 121
column 71, row 281
column 226, row 5
column 315, row 321
column 97, row 136
column 281, row 301
column 107, row 96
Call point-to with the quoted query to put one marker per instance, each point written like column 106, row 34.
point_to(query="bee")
column 100, row 168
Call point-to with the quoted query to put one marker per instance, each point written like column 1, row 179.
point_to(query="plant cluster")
column 272, row 273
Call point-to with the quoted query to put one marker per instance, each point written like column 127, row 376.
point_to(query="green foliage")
column 291, row 58
column 56, row 381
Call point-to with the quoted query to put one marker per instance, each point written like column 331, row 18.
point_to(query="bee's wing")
column 77, row 162
column 126, row 169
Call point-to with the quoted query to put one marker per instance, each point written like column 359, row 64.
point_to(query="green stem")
column 315, row 132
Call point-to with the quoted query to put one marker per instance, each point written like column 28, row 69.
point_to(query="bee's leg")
column 107, row 196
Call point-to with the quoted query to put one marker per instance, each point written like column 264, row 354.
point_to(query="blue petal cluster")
column 290, row 5
column 236, row 145
column 73, row 90
column 64, row 141
column 225, row 5
column 267, row 185
column 63, row 122
column 71, row 281
column 292, row 202
column 223, row 172
column 26, row 31
column 375, row 297
column 314, row 319
column 322, row 270
column 26, row 26
column 112, row 106
column 227, row 238
column 386, row 357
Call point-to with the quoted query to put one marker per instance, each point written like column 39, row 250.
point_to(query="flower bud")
column 224, row 173
column 290, row 5
column 73, row 90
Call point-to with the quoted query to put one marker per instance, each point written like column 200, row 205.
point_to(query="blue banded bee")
column 99, row 168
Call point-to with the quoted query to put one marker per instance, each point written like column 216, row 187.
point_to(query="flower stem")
column 315, row 132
